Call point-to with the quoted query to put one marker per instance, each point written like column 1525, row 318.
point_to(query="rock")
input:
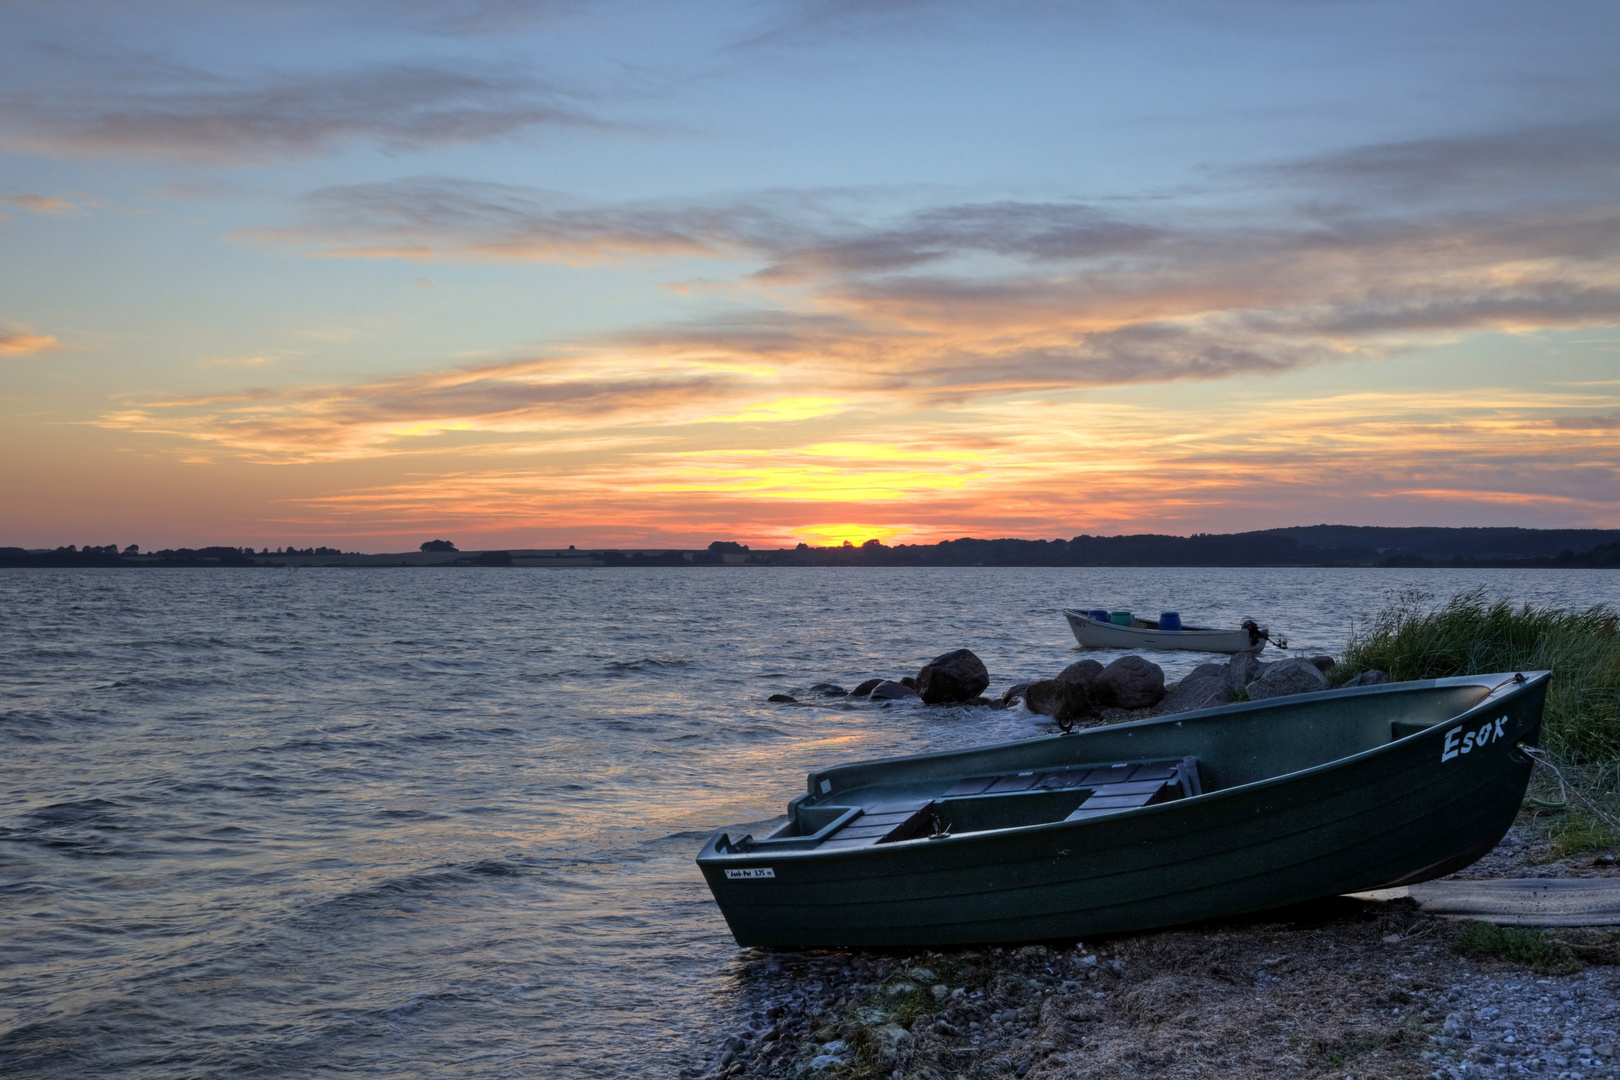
column 891, row 691
column 1013, row 692
column 952, row 677
column 1369, row 678
column 782, row 698
column 1286, row 678
column 909, row 681
column 1243, row 669
column 1084, row 672
column 827, row 689
column 981, row 700
column 1064, row 702
column 1205, row 687
column 1129, row 683
column 887, row 1041
column 920, row 975
column 1324, row 664
column 865, row 688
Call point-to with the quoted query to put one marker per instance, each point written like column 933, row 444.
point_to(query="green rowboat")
column 1139, row 825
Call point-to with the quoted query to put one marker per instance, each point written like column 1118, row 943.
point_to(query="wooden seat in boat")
column 1113, row 788
column 885, row 823
column 1148, row 784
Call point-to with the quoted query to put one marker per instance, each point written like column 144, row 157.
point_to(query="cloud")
column 953, row 364
column 15, row 341
column 530, row 402
column 787, row 408
column 815, row 22
column 1008, row 295
column 1053, row 468
column 1523, row 164
column 476, row 17
column 438, row 218
column 166, row 111
column 41, row 204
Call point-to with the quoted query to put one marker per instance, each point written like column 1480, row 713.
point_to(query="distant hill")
column 1437, row 543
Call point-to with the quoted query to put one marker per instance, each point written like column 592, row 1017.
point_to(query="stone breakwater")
column 1339, row 988
column 1131, row 687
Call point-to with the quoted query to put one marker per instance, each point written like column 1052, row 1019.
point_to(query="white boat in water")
column 1142, row 634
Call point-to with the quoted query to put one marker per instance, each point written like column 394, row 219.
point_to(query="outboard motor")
column 1256, row 635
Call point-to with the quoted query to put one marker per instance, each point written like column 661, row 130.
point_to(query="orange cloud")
column 1031, row 468
column 41, row 204
column 967, row 368
column 18, row 342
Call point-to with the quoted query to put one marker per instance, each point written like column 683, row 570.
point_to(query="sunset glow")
column 491, row 284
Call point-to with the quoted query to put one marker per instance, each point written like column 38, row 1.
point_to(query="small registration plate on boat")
column 751, row 872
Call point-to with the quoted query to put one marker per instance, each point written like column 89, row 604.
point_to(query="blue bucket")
column 1120, row 618
column 1170, row 621
column 1098, row 615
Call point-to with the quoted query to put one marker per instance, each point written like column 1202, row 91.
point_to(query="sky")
column 532, row 273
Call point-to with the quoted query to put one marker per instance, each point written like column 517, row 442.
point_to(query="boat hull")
column 1092, row 634
column 1397, row 814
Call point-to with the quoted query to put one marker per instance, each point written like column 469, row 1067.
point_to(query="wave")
column 389, row 892
column 653, row 664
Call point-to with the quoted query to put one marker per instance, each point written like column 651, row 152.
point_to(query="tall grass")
column 1470, row 634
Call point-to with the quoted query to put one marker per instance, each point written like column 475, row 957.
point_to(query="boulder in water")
column 1013, row 692
column 1129, row 683
column 1064, row 702
column 952, row 677
column 1287, row 678
column 782, row 699
column 865, row 688
column 892, row 691
column 1241, row 670
column 1084, row 672
column 1204, row 687
column 827, row 689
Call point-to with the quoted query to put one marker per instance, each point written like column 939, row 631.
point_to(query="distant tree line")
column 1315, row 545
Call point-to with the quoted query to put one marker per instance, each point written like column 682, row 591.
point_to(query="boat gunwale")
column 1189, row 630
column 1504, row 682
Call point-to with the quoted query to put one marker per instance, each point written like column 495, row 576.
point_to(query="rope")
column 1540, row 757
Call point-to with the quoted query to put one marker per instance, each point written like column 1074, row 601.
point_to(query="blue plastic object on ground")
column 1098, row 615
column 1171, row 621
column 1120, row 618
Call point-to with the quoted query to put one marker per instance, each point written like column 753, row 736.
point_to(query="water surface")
column 441, row 822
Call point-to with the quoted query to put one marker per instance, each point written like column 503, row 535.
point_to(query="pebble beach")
column 1341, row 988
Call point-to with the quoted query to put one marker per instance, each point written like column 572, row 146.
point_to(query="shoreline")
column 547, row 559
column 1328, row 989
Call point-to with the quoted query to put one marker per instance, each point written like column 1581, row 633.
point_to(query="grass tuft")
column 1535, row 949
column 1578, row 833
column 1471, row 634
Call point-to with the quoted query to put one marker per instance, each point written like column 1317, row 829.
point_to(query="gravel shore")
column 1339, row 988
